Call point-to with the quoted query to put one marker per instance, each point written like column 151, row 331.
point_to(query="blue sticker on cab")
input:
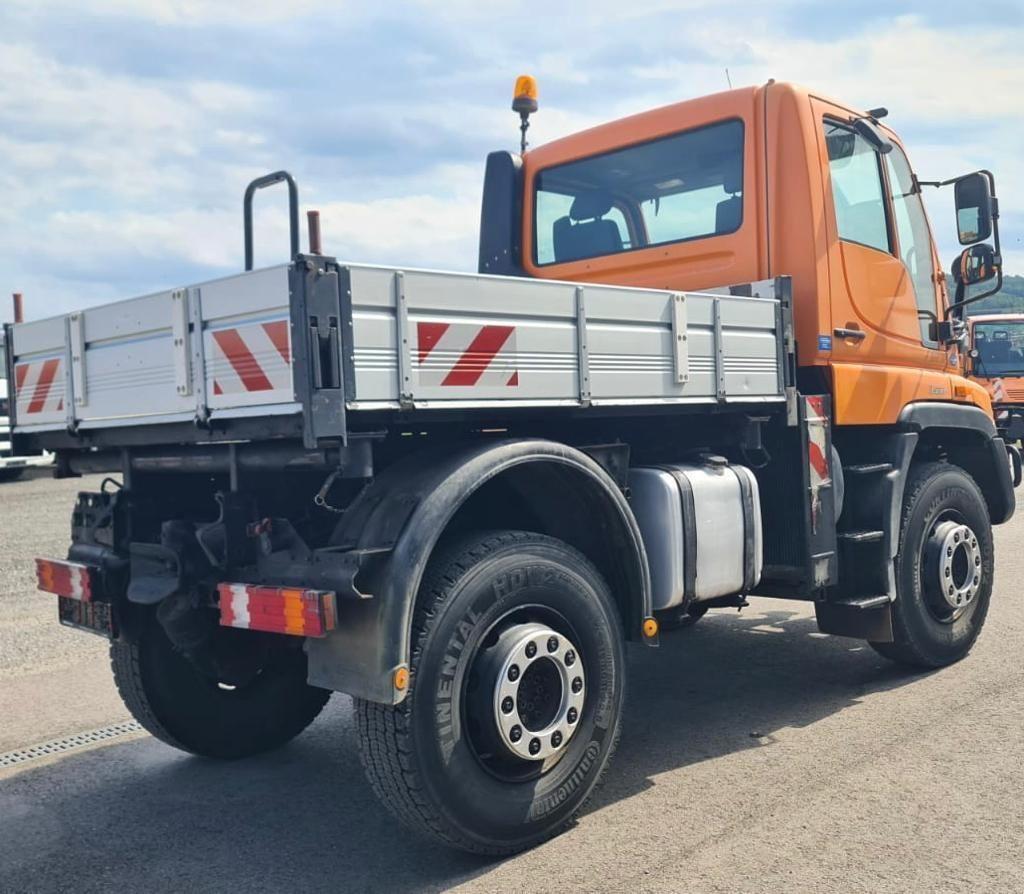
column 824, row 342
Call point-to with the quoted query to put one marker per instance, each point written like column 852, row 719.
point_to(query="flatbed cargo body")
column 233, row 349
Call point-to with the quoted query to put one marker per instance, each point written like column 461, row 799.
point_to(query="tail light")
column 68, row 579
column 290, row 610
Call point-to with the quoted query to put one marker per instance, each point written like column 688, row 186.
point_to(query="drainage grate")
column 81, row 740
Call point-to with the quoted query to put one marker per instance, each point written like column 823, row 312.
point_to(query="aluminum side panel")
column 428, row 339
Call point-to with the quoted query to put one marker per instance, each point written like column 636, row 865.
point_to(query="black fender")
column 968, row 436
column 963, row 435
column 399, row 519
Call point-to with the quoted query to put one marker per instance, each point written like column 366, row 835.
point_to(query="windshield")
column 1000, row 347
column 686, row 186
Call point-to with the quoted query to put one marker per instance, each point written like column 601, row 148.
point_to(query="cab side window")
column 856, row 188
column 914, row 235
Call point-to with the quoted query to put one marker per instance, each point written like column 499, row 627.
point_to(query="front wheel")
column 943, row 568
column 516, row 690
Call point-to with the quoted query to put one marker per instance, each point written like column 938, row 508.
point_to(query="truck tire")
column 187, row 709
column 516, row 691
column 943, row 568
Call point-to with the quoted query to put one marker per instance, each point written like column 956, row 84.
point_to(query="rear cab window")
column 673, row 189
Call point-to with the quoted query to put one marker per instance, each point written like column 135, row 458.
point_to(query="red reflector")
column 68, row 579
column 290, row 610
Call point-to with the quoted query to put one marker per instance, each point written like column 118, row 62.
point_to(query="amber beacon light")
column 524, row 101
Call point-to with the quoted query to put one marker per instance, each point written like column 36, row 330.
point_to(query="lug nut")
column 552, row 643
column 516, row 733
column 572, row 715
column 531, row 650
column 949, row 550
column 534, row 746
column 513, row 673
column 977, row 560
column 577, row 682
column 556, row 739
column 507, row 705
column 956, row 537
column 947, row 572
column 976, row 579
column 570, row 658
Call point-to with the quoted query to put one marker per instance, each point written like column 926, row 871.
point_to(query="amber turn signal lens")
column 650, row 628
column 401, row 678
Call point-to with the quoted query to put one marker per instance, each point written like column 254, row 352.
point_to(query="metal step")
column 867, row 468
column 860, row 536
column 863, row 603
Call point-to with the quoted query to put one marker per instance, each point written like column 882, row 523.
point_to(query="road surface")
column 758, row 755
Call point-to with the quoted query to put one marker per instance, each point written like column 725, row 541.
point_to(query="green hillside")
column 1009, row 299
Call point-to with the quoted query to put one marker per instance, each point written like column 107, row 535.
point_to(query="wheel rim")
column 526, row 693
column 952, row 568
column 539, row 691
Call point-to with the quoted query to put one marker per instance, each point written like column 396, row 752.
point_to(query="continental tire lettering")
column 446, row 683
column 561, row 794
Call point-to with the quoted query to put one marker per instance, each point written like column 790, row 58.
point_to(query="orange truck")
column 996, row 360
column 708, row 355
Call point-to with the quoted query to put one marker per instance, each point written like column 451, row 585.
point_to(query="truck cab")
column 742, row 186
column 996, row 361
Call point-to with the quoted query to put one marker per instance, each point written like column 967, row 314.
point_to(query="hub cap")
column 539, row 691
column 953, row 560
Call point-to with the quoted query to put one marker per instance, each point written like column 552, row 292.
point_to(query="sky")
column 129, row 128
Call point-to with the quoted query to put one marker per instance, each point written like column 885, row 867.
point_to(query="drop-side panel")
column 220, row 347
column 40, row 386
column 426, row 339
column 246, row 333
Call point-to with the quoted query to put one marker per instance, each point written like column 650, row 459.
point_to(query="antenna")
column 728, row 80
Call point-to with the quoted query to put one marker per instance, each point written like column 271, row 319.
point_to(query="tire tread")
column 384, row 735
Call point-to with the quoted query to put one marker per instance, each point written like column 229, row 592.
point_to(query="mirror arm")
column 963, row 302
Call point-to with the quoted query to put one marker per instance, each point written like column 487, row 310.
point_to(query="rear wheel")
column 516, row 690
column 943, row 568
column 197, row 712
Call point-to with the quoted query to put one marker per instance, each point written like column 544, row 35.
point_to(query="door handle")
column 856, row 334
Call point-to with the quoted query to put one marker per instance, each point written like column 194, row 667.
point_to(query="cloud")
column 129, row 128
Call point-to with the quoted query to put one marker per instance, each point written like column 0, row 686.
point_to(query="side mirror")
column 974, row 208
column 975, row 264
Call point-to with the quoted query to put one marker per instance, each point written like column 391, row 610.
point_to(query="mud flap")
column 839, row 619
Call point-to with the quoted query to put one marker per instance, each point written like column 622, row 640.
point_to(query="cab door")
column 881, row 256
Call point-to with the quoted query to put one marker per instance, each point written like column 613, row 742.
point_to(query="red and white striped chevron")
column 39, row 387
column 252, row 357
column 466, row 355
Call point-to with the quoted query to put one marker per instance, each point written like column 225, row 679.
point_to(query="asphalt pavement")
column 758, row 755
